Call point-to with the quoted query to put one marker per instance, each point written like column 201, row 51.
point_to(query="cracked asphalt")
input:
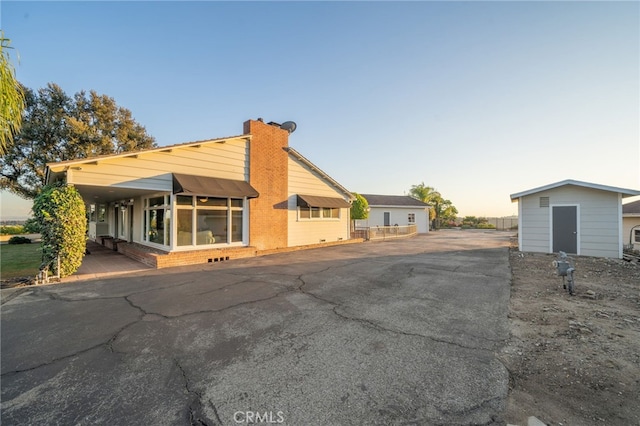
column 388, row 333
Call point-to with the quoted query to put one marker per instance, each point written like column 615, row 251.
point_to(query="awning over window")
column 212, row 187
column 315, row 201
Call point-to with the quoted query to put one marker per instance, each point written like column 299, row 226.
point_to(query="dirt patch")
column 574, row 360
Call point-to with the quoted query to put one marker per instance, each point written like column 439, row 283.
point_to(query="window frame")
column 232, row 204
column 305, row 214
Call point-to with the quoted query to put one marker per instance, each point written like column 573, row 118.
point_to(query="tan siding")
column 153, row 170
column 628, row 224
column 302, row 232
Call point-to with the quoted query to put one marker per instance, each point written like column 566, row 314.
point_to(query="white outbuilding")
column 576, row 217
column 397, row 210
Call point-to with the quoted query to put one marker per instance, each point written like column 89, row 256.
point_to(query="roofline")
column 315, row 168
column 400, row 206
column 97, row 158
column 624, row 191
column 395, row 205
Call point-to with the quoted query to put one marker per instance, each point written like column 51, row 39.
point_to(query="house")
column 631, row 224
column 572, row 216
column 401, row 210
column 209, row 200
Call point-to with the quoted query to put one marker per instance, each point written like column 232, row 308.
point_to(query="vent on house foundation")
column 544, row 201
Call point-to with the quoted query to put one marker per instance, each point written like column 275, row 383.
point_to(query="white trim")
column 577, row 206
column 520, row 227
column 620, row 227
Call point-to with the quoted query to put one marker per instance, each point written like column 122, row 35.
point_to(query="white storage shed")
column 576, row 217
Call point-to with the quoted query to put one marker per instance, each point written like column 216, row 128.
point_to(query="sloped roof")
column 624, row 191
column 632, row 209
column 393, row 200
column 316, row 169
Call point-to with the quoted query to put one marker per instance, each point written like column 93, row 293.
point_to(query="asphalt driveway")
column 386, row 333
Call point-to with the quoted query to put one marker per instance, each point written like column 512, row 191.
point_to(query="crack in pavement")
column 380, row 327
column 196, row 415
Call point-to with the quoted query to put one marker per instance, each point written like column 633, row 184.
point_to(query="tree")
column 60, row 211
column 57, row 127
column 359, row 208
column 441, row 209
column 11, row 97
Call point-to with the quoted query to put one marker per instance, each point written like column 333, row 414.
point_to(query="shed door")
column 565, row 229
column 387, row 219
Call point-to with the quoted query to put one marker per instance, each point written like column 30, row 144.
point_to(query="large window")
column 157, row 223
column 209, row 220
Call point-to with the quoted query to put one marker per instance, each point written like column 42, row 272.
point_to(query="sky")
column 478, row 100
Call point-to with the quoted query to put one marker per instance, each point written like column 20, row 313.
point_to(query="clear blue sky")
column 477, row 99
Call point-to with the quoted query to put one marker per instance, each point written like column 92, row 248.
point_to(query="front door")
column 387, row 219
column 565, row 229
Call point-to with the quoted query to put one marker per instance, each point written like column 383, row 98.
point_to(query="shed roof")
column 393, row 200
column 624, row 191
column 631, row 209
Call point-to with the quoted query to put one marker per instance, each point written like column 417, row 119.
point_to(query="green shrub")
column 11, row 229
column 60, row 211
column 485, row 225
column 359, row 207
column 19, row 240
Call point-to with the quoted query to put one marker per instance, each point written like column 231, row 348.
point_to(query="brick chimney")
column 268, row 174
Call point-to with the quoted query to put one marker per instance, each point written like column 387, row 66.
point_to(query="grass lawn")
column 19, row 260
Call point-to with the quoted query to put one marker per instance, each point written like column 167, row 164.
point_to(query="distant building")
column 631, row 224
column 401, row 210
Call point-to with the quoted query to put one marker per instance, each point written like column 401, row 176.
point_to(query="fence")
column 504, row 223
column 384, row 232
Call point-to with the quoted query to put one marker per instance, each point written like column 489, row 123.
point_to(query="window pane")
column 209, row 201
column 212, row 226
column 156, row 226
column 236, row 226
column 305, row 213
column 185, row 227
column 156, row 201
column 102, row 212
column 326, row 212
column 335, row 213
column 167, row 227
column 236, row 202
column 184, row 200
column 315, row 212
